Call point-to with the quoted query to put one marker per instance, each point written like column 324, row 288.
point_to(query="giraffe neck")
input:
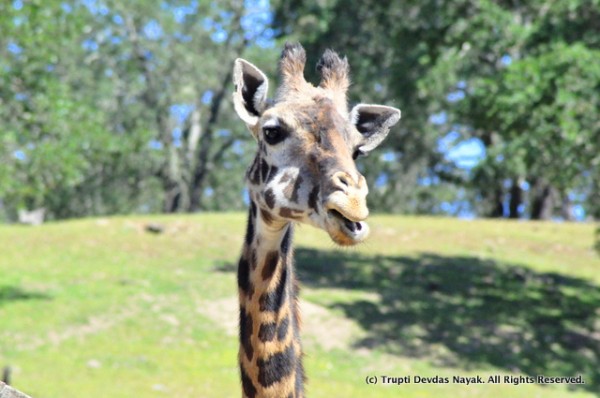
column 270, row 350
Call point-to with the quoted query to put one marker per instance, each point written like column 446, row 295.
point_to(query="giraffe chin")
column 345, row 232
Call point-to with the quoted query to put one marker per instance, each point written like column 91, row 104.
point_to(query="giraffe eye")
column 273, row 134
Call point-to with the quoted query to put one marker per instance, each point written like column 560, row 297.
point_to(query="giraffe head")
column 308, row 141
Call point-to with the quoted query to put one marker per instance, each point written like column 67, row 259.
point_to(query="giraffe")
column 303, row 172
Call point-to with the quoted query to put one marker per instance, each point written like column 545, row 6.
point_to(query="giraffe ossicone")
column 303, row 172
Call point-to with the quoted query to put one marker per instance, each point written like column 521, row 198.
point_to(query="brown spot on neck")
column 270, row 265
column 276, row 367
column 247, row 385
column 246, row 327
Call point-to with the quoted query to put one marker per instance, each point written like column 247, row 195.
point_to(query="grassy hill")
column 102, row 308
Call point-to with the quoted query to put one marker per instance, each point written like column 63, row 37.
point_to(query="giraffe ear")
column 250, row 96
column 373, row 122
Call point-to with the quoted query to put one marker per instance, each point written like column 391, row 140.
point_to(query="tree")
column 134, row 115
column 54, row 139
column 531, row 102
column 183, row 54
column 390, row 56
column 473, row 69
column 542, row 109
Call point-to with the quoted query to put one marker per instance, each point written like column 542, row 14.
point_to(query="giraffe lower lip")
column 346, row 232
column 353, row 226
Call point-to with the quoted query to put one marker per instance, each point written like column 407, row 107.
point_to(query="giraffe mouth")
column 347, row 232
column 353, row 226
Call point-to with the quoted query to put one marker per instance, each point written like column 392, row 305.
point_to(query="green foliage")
column 521, row 77
column 60, row 145
column 389, row 57
column 112, row 107
column 531, row 87
column 543, row 111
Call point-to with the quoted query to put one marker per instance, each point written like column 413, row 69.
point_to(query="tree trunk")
column 566, row 208
column 489, row 139
column 174, row 186
column 542, row 203
column 206, row 142
column 516, row 199
column 171, row 199
column 498, row 203
column 206, row 154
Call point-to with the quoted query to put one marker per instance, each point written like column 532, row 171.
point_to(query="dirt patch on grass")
column 327, row 329
column 320, row 326
column 223, row 312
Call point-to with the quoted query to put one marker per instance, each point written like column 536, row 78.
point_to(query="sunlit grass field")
column 103, row 308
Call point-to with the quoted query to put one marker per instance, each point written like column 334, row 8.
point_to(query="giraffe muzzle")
column 347, row 209
column 344, row 231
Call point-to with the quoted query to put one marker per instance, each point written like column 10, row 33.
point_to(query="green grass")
column 101, row 308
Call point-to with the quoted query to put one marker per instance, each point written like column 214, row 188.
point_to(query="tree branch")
column 204, row 160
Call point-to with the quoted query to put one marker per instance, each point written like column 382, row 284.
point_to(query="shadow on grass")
column 10, row 294
column 467, row 312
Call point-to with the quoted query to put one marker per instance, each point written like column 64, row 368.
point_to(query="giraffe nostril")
column 342, row 180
